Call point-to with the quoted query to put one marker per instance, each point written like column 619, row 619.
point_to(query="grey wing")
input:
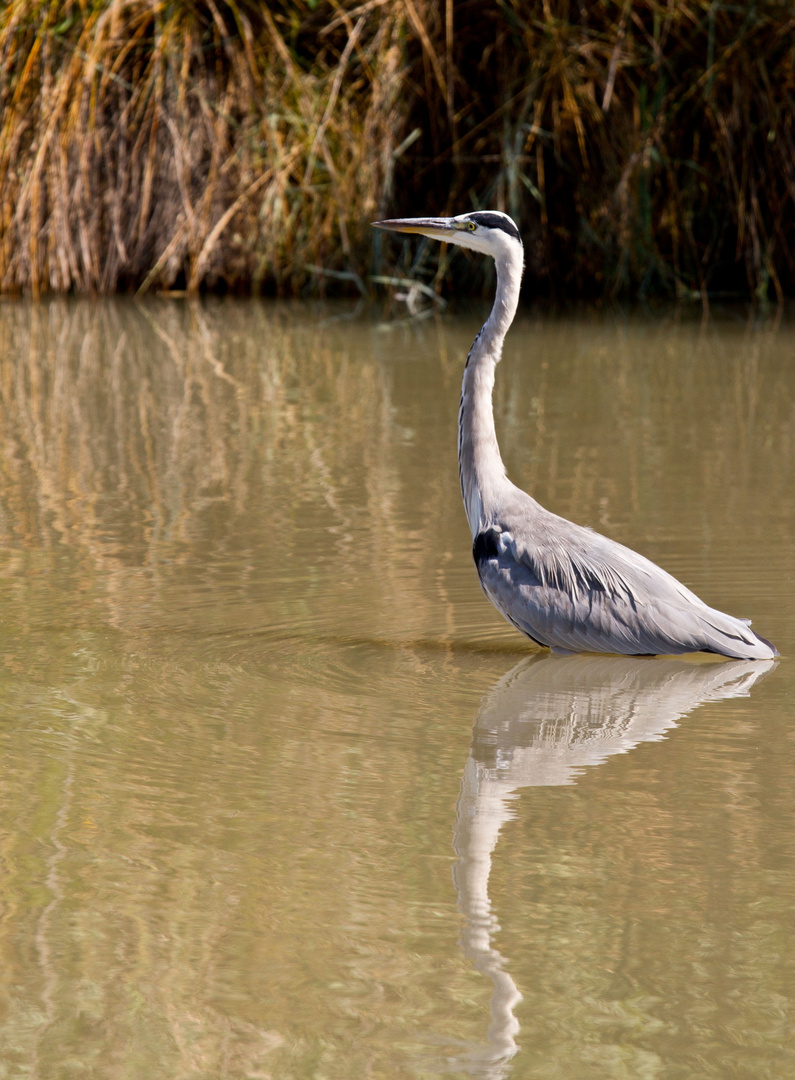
column 567, row 587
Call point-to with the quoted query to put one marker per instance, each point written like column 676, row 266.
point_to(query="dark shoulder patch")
column 485, row 546
column 495, row 221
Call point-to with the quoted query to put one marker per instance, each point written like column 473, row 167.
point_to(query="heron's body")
column 561, row 584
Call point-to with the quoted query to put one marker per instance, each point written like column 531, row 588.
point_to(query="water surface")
column 282, row 796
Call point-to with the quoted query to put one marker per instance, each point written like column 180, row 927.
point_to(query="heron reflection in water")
column 541, row 725
column 561, row 584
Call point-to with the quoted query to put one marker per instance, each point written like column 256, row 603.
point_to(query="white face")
column 488, row 239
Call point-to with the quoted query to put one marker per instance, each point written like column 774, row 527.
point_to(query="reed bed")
column 189, row 144
column 644, row 147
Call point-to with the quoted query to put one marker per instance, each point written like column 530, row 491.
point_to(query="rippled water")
column 283, row 797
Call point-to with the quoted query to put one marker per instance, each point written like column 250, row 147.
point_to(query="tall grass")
column 644, row 146
column 193, row 144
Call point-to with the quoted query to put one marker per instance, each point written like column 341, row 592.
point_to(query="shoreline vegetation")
column 645, row 147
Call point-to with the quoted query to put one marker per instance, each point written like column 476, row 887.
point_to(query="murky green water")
column 280, row 794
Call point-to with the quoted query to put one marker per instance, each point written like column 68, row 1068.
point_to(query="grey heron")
column 563, row 585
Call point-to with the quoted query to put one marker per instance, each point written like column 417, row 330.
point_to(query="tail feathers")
column 764, row 641
column 728, row 636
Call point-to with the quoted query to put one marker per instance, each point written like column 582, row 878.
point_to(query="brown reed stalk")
column 192, row 145
column 644, row 146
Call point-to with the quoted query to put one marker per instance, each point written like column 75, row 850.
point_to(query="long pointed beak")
column 438, row 228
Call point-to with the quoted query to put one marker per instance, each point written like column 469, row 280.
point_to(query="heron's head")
column 489, row 231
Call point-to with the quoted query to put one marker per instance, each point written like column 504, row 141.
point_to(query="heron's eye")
column 471, row 226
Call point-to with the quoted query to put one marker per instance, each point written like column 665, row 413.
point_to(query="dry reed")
column 188, row 144
column 644, row 147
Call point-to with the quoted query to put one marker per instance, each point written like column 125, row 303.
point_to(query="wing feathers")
column 570, row 588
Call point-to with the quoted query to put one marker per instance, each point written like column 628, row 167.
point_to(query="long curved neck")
column 480, row 466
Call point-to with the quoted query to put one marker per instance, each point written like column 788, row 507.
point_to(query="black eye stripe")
column 495, row 221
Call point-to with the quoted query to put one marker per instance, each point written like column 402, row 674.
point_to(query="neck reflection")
column 541, row 724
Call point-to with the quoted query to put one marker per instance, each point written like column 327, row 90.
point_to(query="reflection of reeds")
column 211, row 834
column 644, row 147
column 137, row 438
column 229, row 453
